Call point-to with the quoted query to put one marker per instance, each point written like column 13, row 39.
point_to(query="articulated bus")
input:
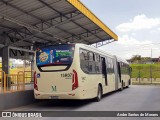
column 77, row 71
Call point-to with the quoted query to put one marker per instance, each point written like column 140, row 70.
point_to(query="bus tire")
column 121, row 86
column 99, row 94
column 128, row 83
column 127, row 86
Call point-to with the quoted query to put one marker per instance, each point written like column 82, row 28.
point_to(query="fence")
column 16, row 82
column 28, row 76
column 145, row 74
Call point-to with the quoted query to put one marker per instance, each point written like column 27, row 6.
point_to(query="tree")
column 136, row 58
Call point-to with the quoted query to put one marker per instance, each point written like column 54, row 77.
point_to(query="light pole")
column 151, row 67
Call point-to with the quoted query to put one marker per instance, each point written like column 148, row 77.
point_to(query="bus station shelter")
column 28, row 24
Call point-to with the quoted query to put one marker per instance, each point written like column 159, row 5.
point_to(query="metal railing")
column 2, row 81
column 147, row 81
column 28, row 76
column 15, row 82
column 146, row 74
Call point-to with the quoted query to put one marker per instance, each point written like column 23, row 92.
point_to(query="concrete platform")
column 14, row 87
column 16, row 99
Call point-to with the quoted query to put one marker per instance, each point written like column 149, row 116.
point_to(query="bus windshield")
column 56, row 55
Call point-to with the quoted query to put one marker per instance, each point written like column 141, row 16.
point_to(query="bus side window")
column 113, row 66
column 91, row 62
column 98, row 63
column 84, row 60
column 108, row 65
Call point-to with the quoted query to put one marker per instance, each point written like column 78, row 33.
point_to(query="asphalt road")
column 134, row 98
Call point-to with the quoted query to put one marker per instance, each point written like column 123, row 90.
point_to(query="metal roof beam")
column 65, row 21
column 14, row 31
column 87, row 34
column 62, row 22
column 59, row 23
column 12, row 52
column 65, row 17
column 19, row 9
column 49, row 6
column 21, row 49
column 20, row 23
column 17, row 48
column 12, row 39
column 73, row 35
column 42, row 21
column 50, row 21
column 78, row 39
column 105, row 42
column 43, row 27
column 41, row 1
column 28, row 13
column 31, row 9
column 1, row 45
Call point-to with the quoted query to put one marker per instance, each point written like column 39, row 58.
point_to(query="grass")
column 143, row 70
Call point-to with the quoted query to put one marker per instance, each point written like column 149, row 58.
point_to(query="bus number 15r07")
column 66, row 75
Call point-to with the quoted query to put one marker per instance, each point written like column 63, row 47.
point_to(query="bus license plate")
column 54, row 97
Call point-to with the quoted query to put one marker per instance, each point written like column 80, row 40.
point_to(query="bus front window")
column 56, row 57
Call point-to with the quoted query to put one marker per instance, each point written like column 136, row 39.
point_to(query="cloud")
column 138, row 23
column 133, row 34
column 132, row 46
column 127, row 46
column 130, row 41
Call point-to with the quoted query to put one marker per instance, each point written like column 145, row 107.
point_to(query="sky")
column 136, row 22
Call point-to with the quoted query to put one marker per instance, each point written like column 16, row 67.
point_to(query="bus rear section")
column 55, row 74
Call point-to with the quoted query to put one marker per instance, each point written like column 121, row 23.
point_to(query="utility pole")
column 151, row 67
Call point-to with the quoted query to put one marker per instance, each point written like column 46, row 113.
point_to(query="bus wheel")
column 127, row 85
column 99, row 94
column 121, row 86
column 129, row 82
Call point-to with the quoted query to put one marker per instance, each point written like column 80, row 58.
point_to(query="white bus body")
column 77, row 71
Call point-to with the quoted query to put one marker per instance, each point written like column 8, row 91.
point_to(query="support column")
column 5, row 53
column 5, row 59
column 32, row 70
column 5, row 65
column 32, row 64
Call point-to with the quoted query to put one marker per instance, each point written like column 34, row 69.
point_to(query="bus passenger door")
column 104, row 70
column 119, row 71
